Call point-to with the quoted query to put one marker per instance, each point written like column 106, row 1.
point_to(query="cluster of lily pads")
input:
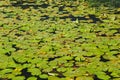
column 59, row 41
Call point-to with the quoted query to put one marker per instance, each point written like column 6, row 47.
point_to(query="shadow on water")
column 73, row 18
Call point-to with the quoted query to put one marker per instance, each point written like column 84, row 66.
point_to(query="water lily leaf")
column 26, row 28
column 49, row 69
column 6, row 71
column 43, row 76
column 62, row 69
column 3, row 51
column 34, row 71
column 32, row 78
column 115, row 74
column 84, row 78
column 53, row 78
column 18, row 78
column 102, row 75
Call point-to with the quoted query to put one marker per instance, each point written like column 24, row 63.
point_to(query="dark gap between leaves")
column 27, row 5
column 51, row 59
column 96, row 78
column 25, row 73
column 116, row 54
column 73, row 18
column 19, row 62
column 16, row 48
column 8, row 53
column 102, row 59
column 18, row 34
column 60, row 74
column 89, row 56
column 44, row 17
column 108, row 73
column 114, row 50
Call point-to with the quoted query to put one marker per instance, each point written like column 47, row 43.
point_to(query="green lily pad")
column 32, row 78
column 34, row 71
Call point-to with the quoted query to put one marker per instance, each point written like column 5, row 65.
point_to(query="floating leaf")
column 32, row 78
column 18, row 78
column 43, row 76
column 34, row 71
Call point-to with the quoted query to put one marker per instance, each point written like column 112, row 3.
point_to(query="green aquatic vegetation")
column 57, row 40
column 34, row 71
column 32, row 78
column 18, row 78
